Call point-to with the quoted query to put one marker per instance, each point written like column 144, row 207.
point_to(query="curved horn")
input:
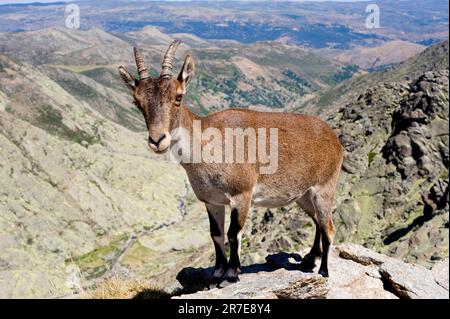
column 167, row 64
column 142, row 70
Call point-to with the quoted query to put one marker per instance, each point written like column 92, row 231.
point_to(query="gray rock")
column 412, row 281
column 355, row 273
column 361, row 255
column 441, row 273
column 279, row 278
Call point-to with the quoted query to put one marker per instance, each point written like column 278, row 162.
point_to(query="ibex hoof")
column 216, row 277
column 308, row 263
column 230, row 277
column 324, row 273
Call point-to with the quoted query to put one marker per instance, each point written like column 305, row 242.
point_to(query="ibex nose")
column 158, row 141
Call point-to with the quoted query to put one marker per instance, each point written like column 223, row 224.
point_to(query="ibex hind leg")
column 317, row 202
column 308, row 261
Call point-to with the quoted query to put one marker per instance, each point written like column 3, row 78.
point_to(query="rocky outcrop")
column 356, row 273
column 393, row 193
column 393, row 190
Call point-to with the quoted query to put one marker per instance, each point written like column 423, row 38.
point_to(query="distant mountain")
column 387, row 54
column 263, row 75
column 433, row 58
column 314, row 24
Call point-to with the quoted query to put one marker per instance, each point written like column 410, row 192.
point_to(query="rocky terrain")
column 80, row 192
column 394, row 194
column 357, row 273
column 331, row 99
column 83, row 199
column 393, row 190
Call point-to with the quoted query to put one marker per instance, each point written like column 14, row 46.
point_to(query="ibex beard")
column 226, row 160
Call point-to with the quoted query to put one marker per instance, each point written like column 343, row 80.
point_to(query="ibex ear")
column 187, row 72
column 129, row 80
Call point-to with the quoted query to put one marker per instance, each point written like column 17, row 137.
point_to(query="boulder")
column 355, row 273
column 441, row 273
column 413, row 281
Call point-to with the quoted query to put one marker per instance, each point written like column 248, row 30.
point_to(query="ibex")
column 309, row 162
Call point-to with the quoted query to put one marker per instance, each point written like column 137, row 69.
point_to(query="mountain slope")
column 264, row 75
column 328, row 100
column 388, row 53
column 393, row 190
column 78, row 190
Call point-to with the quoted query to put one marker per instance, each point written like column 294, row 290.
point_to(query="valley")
column 83, row 197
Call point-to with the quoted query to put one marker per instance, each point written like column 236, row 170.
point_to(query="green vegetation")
column 294, row 83
column 330, row 96
column 98, row 261
column 78, row 89
column 213, row 54
column 344, row 74
column 371, row 155
column 96, row 73
column 194, row 96
column 263, row 97
column 444, row 175
column 51, row 121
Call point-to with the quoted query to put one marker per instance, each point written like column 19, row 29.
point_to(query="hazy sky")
column 28, row 1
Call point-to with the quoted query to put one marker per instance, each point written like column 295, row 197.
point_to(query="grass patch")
column 95, row 263
column 117, row 288
column 329, row 96
column 444, row 175
column 371, row 156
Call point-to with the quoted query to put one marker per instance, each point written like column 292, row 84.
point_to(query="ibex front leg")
column 240, row 206
column 216, row 216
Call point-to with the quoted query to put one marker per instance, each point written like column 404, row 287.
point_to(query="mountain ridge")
column 83, row 192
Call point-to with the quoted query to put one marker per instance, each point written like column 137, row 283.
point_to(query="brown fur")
column 309, row 161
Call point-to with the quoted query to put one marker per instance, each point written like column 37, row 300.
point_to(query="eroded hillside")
column 80, row 189
column 77, row 189
column 263, row 76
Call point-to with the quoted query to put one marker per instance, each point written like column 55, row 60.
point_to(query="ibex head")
column 159, row 99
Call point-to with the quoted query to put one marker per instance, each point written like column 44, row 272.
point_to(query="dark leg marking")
column 234, row 264
column 326, row 242
column 309, row 261
column 216, row 215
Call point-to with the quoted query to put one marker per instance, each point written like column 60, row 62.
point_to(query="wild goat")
column 309, row 161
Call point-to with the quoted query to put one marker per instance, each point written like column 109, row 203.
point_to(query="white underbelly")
column 270, row 198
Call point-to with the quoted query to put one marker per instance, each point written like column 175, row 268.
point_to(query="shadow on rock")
column 197, row 279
